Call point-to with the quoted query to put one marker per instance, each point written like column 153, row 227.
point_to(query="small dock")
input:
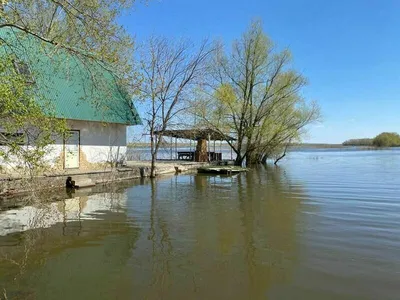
column 224, row 170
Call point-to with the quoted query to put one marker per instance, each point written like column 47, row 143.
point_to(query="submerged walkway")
column 16, row 183
column 166, row 166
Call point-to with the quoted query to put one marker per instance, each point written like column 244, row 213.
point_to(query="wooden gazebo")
column 203, row 152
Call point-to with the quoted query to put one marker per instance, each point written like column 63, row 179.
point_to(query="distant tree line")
column 358, row 142
column 385, row 139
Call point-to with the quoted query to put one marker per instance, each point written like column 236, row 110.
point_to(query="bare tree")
column 170, row 72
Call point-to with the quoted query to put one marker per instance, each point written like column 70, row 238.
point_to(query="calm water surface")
column 324, row 225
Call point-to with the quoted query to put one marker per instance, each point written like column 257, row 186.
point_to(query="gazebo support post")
column 176, row 148
column 155, row 142
column 190, row 148
column 170, row 144
column 208, row 144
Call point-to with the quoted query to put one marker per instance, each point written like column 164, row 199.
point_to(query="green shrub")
column 387, row 139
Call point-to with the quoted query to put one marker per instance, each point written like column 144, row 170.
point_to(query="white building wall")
column 99, row 143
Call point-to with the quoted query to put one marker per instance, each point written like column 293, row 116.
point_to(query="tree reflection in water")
column 217, row 237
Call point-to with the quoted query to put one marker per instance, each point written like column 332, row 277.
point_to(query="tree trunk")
column 249, row 159
column 153, row 165
column 252, row 158
column 264, row 159
column 239, row 160
column 282, row 156
column 153, row 149
column 279, row 158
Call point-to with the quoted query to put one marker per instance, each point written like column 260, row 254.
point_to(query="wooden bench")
column 186, row 155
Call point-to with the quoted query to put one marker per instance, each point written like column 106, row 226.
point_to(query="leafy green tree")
column 283, row 128
column 254, row 93
column 387, row 139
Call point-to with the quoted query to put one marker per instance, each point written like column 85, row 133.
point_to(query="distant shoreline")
column 330, row 146
column 225, row 146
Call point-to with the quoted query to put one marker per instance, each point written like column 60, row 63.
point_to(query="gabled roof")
column 77, row 88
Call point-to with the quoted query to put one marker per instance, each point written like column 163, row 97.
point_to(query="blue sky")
column 348, row 49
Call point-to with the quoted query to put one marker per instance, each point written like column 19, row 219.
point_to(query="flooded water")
column 323, row 225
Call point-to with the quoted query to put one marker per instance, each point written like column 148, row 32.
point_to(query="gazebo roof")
column 197, row 134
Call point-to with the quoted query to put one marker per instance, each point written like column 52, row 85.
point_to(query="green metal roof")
column 76, row 87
